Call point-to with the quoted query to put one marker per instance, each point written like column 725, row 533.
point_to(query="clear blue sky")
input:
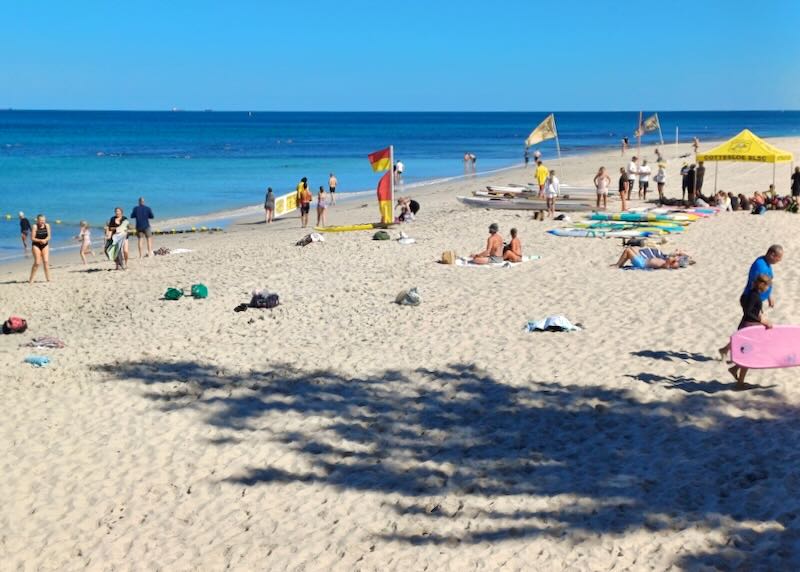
column 410, row 55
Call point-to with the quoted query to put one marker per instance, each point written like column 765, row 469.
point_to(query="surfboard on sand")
column 353, row 227
column 757, row 347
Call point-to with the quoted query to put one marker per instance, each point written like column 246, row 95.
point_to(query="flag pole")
column 639, row 137
column 391, row 163
column 660, row 135
column 558, row 145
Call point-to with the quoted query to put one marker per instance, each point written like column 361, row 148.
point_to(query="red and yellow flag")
column 381, row 160
column 385, row 198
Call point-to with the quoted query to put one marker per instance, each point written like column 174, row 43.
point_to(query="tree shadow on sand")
column 444, row 439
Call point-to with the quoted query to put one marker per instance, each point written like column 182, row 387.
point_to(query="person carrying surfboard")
column 752, row 315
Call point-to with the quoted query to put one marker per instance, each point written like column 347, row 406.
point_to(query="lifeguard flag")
column 545, row 130
column 385, row 198
column 381, row 160
column 649, row 124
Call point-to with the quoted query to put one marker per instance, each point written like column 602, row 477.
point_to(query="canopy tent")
column 746, row 146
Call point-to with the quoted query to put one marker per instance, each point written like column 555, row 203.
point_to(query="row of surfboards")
column 524, row 197
column 638, row 223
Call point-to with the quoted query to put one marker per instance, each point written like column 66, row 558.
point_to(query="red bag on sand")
column 15, row 325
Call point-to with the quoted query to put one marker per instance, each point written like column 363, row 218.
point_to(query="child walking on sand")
column 85, row 238
column 751, row 316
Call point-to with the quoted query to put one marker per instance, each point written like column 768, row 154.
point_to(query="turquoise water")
column 80, row 165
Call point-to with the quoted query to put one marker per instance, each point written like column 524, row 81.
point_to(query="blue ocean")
column 74, row 165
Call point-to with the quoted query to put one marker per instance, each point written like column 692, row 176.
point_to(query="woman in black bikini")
column 40, row 247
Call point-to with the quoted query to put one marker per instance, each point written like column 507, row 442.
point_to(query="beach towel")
column 49, row 342
column 556, row 323
column 37, row 361
column 115, row 249
column 466, row 262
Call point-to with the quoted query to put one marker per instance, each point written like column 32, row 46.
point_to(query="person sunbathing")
column 494, row 247
column 513, row 250
column 652, row 259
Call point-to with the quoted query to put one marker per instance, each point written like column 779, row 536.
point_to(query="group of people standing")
column 116, row 233
column 304, row 199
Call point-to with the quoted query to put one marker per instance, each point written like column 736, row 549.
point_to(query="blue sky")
column 503, row 55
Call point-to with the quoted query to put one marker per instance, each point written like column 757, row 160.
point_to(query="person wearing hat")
column 494, row 247
column 24, row 229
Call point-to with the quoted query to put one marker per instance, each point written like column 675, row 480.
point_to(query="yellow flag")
column 546, row 130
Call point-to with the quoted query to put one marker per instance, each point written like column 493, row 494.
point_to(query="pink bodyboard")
column 756, row 347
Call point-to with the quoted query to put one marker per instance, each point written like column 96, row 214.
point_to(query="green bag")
column 173, row 294
column 199, row 291
column 381, row 235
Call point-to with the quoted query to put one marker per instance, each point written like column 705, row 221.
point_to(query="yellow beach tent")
column 746, row 146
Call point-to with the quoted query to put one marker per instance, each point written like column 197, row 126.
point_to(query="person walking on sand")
column 269, row 205
column 551, row 189
column 143, row 215
column 541, row 177
column 513, row 250
column 659, row 157
column 24, row 230
column 537, row 156
column 795, row 183
column 332, row 184
column 761, row 266
column 644, row 179
column 661, row 180
column 624, row 188
column 398, row 172
column 601, row 183
column 111, row 229
column 633, row 169
column 695, row 144
column 40, row 247
column 624, row 145
column 85, row 238
column 494, row 247
column 527, row 157
column 322, row 207
column 752, row 315
column 304, row 199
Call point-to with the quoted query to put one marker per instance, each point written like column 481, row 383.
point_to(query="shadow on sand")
column 444, row 439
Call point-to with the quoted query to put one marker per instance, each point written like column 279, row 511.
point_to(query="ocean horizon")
column 79, row 165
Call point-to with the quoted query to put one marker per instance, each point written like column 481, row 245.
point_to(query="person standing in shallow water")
column 333, row 182
column 24, row 230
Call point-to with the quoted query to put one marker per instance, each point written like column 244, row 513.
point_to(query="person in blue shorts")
column 652, row 259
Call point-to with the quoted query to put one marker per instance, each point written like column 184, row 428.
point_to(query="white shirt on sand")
column 644, row 173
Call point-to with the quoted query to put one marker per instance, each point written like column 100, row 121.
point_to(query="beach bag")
column 173, row 294
column 408, row 298
column 448, row 257
column 15, row 325
column 199, row 291
column 264, row 300
column 381, row 235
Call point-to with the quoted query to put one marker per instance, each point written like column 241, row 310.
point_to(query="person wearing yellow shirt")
column 541, row 177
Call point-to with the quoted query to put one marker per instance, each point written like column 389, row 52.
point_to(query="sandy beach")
column 341, row 431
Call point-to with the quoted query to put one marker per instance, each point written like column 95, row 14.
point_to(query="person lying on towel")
column 652, row 259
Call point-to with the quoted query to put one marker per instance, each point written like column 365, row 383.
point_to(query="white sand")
column 341, row 431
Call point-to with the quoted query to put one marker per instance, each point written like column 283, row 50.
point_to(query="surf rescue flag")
column 648, row 125
column 381, row 160
column 385, row 198
column 546, row 130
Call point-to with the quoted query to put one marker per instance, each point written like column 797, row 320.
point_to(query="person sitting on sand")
column 652, row 259
column 752, row 315
column 408, row 209
column 513, row 250
column 494, row 247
